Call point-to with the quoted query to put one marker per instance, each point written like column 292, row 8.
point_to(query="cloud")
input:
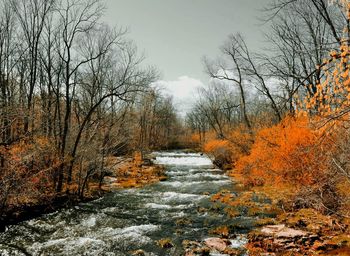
column 184, row 91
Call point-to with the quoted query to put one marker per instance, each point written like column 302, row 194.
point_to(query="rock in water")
column 139, row 253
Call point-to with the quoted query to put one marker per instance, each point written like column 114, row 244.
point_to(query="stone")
column 216, row 243
column 139, row 253
column 280, row 238
column 109, row 180
column 232, row 252
column 281, row 231
column 203, row 251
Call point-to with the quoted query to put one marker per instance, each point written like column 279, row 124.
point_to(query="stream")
column 127, row 220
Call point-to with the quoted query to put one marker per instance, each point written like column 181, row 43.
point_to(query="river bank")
column 304, row 231
column 196, row 210
column 124, row 172
column 165, row 218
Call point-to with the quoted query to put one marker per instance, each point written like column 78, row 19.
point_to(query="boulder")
column 281, row 231
column 216, row 243
column 280, row 238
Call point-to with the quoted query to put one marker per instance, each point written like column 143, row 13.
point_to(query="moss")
column 222, row 231
column 232, row 212
column 165, row 243
column 308, row 219
column 183, row 222
column 266, row 221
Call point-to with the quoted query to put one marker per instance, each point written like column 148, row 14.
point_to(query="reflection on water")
column 132, row 219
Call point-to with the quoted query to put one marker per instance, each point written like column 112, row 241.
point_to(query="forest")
column 76, row 96
column 280, row 119
column 73, row 91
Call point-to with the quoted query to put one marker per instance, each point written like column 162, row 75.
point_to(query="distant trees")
column 216, row 109
column 158, row 123
column 232, row 72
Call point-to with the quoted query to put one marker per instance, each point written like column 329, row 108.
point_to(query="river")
column 132, row 219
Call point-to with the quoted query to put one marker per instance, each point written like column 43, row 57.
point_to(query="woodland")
column 278, row 121
column 75, row 94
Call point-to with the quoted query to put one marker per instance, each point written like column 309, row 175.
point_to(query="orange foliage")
column 241, row 141
column 28, row 170
column 195, row 138
column 227, row 151
column 331, row 100
column 287, row 153
column 216, row 145
column 221, row 151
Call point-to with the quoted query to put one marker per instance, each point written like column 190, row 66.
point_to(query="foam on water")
column 70, row 246
column 238, row 242
column 90, row 222
column 140, row 229
column 202, row 175
column 183, row 159
column 178, row 154
column 179, row 184
column 175, row 196
column 166, row 206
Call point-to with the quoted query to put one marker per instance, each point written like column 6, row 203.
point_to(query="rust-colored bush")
column 227, row 151
column 27, row 171
column 287, row 158
column 221, row 151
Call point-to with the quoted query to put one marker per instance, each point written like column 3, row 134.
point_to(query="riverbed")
column 134, row 219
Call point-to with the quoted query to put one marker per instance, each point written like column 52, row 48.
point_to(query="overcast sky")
column 176, row 34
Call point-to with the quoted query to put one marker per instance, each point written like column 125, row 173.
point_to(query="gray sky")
column 176, row 34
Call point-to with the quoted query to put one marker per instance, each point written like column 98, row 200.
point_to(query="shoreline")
column 304, row 231
column 301, row 232
column 127, row 175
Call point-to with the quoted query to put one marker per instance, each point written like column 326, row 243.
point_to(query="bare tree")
column 31, row 15
column 253, row 68
column 302, row 39
column 231, row 72
column 76, row 18
column 8, row 59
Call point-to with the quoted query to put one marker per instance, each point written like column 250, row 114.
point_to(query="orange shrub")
column 288, row 153
column 241, row 142
column 195, row 138
column 27, row 171
column 215, row 145
column 221, row 151
column 227, row 151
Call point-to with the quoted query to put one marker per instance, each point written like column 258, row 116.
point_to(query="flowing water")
column 132, row 219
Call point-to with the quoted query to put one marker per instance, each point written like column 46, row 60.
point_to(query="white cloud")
column 184, row 91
